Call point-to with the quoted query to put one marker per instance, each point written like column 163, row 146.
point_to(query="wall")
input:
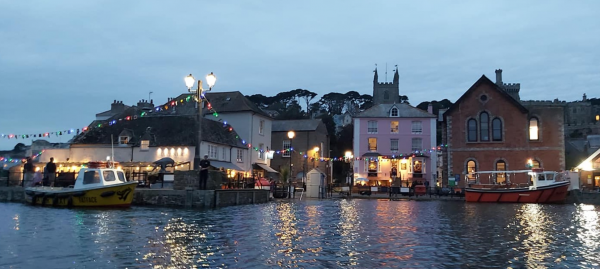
column 305, row 142
column 87, row 153
column 246, row 124
column 515, row 148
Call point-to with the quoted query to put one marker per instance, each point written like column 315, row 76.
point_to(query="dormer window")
column 123, row 140
column 394, row 112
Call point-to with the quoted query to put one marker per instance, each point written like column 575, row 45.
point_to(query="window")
column 224, row 155
column 472, row 133
column 261, row 151
column 91, row 177
column 394, row 145
column 372, row 144
column 417, row 144
column 394, row 127
column 145, row 145
column 500, row 177
column 123, row 140
column 212, row 151
column 261, row 127
column 121, row 176
column 417, row 127
column 484, row 121
column 535, row 164
column 471, row 169
column 497, row 129
column 109, row 175
column 287, row 144
column 372, row 167
column 394, row 112
column 372, row 127
column 483, row 98
column 533, row 129
column 240, row 155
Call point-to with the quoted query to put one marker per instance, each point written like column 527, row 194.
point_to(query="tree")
column 19, row 147
column 307, row 96
column 404, row 99
column 260, row 100
column 333, row 102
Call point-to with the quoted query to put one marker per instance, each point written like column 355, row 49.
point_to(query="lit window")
column 417, row 144
column 394, row 112
column 533, row 129
column 484, row 122
column 535, row 164
column 471, row 169
column 500, row 177
column 372, row 127
column 394, row 145
column 472, row 126
column 123, row 140
column 287, row 144
column 372, row 144
column 145, row 145
column 497, row 129
column 394, row 126
column 417, row 127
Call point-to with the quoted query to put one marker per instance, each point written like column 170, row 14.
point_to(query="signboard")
column 451, row 183
column 270, row 154
column 457, row 177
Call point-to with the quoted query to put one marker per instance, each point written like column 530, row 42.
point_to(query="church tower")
column 386, row 92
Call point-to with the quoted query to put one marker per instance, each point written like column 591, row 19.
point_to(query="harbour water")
column 304, row 234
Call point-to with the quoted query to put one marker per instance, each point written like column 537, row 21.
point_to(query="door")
column 404, row 166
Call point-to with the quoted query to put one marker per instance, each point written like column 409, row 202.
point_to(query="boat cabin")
column 98, row 175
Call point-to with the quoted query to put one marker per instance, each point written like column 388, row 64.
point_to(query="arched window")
column 497, row 129
column 472, row 132
column 394, row 112
column 500, row 177
column 534, row 131
column 471, row 168
column 386, row 95
column 484, row 121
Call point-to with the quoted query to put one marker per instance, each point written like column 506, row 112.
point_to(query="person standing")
column 204, row 165
column 28, row 173
column 50, row 172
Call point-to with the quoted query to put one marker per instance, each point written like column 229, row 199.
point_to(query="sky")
column 61, row 62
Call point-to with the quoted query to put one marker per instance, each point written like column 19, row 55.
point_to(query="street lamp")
column 315, row 152
column 189, row 82
column 290, row 135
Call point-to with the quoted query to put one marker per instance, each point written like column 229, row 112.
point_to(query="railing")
column 11, row 179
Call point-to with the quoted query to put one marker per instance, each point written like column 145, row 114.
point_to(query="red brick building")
column 490, row 129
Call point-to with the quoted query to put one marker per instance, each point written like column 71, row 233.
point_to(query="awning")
column 371, row 154
column 266, row 167
column 226, row 165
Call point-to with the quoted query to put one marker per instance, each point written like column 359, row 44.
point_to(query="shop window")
column 372, row 168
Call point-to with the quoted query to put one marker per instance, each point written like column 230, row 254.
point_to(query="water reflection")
column 306, row 234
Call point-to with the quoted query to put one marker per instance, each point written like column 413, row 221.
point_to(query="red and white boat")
column 543, row 187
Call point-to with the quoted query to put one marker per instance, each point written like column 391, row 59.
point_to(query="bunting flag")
column 192, row 98
column 11, row 160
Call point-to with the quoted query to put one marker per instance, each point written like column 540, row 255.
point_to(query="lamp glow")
column 291, row 134
column 189, row 81
column 211, row 79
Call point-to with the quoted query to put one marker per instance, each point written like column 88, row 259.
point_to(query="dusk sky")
column 61, row 62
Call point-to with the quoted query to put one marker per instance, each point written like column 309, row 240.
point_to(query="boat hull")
column 118, row 195
column 556, row 193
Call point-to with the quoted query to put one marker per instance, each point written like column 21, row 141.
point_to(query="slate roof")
column 296, row 125
column 404, row 111
column 485, row 80
column 233, row 102
column 165, row 131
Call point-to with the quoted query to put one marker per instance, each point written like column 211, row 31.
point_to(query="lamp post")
column 290, row 135
column 350, row 159
column 189, row 82
column 315, row 154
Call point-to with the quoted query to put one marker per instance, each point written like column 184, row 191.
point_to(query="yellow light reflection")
column 534, row 224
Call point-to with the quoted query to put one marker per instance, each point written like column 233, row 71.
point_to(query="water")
column 306, row 234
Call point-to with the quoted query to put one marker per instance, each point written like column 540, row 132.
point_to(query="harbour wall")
column 189, row 198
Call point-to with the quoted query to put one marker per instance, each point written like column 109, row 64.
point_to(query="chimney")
column 117, row 107
column 584, row 97
column 430, row 108
column 499, row 77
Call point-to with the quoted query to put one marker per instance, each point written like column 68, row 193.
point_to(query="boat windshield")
column 121, row 176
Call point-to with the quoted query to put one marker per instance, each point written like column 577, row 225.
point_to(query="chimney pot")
column 499, row 77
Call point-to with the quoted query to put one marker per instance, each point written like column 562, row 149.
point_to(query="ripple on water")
column 305, row 234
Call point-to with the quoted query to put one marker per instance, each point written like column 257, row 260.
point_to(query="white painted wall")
column 433, row 164
column 246, row 124
column 88, row 153
column 356, row 148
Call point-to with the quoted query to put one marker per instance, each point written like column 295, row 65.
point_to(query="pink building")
column 394, row 144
